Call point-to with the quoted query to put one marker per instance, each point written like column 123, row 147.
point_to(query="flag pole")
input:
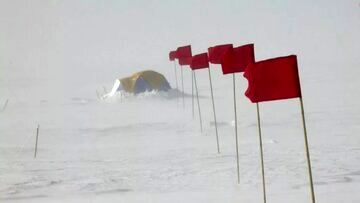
column 37, row 138
column 236, row 133
column 213, row 104
column 197, row 96
column 307, row 152
column 192, row 92
column 176, row 80
column 4, row 107
column 182, row 86
column 261, row 153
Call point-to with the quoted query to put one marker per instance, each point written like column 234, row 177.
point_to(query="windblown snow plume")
column 123, row 96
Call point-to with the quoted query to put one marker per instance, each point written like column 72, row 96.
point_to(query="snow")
column 148, row 148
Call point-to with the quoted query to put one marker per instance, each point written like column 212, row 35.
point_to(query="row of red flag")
column 271, row 79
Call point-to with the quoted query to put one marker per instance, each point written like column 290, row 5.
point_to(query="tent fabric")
column 145, row 81
column 141, row 86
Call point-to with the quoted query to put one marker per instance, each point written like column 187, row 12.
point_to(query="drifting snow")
column 149, row 148
column 123, row 96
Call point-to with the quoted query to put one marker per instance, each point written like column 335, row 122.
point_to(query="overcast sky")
column 61, row 41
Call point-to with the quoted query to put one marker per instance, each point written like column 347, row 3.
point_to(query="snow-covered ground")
column 54, row 56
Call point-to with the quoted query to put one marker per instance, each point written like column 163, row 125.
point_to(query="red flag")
column 184, row 55
column 273, row 79
column 237, row 59
column 199, row 61
column 185, row 61
column 183, row 52
column 172, row 55
column 216, row 53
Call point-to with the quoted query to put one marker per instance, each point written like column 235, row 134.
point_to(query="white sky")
column 100, row 40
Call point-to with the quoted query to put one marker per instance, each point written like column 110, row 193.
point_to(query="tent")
column 142, row 81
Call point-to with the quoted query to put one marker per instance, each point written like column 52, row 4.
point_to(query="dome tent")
column 139, row 82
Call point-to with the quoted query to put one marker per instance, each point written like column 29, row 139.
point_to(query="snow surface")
column 55, row 55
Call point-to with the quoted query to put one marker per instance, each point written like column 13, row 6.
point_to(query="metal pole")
column 236, row 133
column 197, row 96
column 4, row 107
column 36, row 143
column 182, row 85
column 192, row 92
column 213, row 104
column 176, row 80
column 307, row 152
column 261, row 153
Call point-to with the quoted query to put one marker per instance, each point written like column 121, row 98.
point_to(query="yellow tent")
column 145, row 81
